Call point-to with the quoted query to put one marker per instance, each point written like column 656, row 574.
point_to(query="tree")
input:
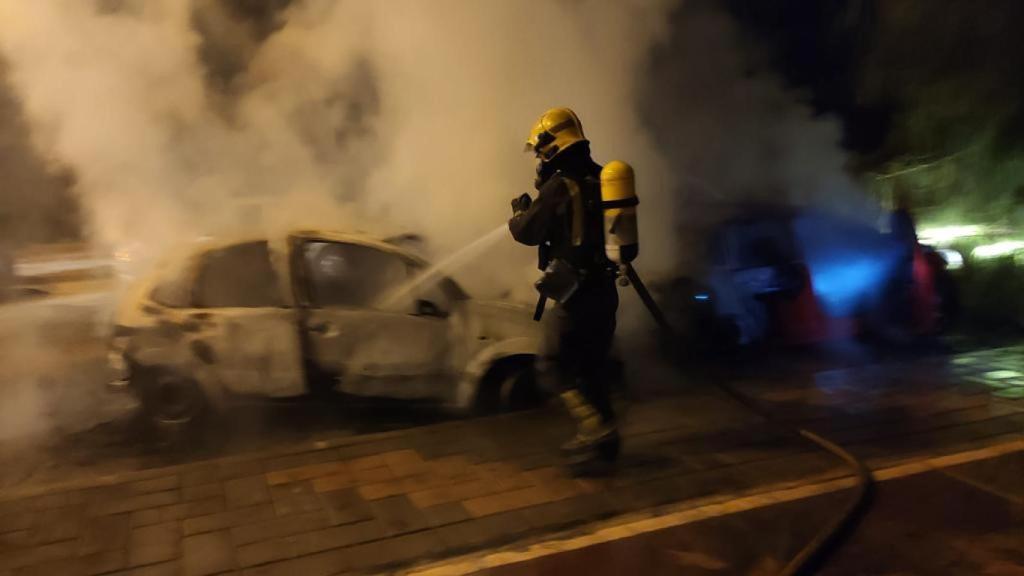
column 952, row 69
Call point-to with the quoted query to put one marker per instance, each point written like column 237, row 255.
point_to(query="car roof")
column 356, row 238
column 206, row 244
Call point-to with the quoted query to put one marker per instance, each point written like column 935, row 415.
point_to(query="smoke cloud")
column 35, row 204
column 733, row 133
column 182, row 118
column 190, row 118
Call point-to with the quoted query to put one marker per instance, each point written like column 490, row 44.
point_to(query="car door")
column 402, row 351
column 244, row 327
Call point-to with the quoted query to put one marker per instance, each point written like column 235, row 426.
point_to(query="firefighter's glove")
column 521, row 204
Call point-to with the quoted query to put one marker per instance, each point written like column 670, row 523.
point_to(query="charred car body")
column 298, row 314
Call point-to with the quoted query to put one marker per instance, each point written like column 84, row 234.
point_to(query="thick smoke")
column 35, row 203
column 190, row 118
column 182, row 118
column 733, row 133
column 185, row 118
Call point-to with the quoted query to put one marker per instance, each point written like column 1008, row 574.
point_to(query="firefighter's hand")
column 521, row 204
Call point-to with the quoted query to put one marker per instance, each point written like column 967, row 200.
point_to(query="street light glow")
column 1004, row 248
column 946, row 234
column 954, row 260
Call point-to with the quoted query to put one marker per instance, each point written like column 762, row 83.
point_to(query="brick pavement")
column 363, row 504
column 381, row 501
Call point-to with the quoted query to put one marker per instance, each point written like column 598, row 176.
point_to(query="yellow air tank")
column 619, row 201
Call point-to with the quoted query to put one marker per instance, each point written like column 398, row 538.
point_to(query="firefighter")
column 566, row 223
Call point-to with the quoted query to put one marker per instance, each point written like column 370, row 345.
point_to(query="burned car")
column 313, row 312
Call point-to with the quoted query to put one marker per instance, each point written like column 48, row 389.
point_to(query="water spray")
column 452, row 262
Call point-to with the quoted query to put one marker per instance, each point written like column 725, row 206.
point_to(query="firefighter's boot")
column 596, row 444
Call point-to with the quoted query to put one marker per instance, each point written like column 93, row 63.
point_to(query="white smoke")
column 182, row 118
column 387, row 116
column 733, row 131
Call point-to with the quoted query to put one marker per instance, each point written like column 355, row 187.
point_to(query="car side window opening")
column 239, row 276
column 764, row 244
column 442, row 291
column 350, row 275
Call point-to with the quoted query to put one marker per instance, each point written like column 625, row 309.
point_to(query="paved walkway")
column 961, row 514
column 369, row 502
column 391, row 500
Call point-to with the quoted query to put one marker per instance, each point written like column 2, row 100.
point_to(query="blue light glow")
column 848, row 281
column 850, row 264
column 701, row 297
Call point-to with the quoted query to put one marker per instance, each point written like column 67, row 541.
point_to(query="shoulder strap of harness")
column 578, row 211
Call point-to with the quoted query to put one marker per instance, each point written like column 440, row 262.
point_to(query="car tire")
column 519, row 391
column 509, row 386
column 175, row 408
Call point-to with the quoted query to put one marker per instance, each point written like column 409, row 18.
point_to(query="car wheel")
column 519, row 391
column 509, row 385
column 174, row 407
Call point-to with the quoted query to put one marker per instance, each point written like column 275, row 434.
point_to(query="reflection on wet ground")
column 953, row 521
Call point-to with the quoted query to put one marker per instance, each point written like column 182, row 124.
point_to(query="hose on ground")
column 815, row 551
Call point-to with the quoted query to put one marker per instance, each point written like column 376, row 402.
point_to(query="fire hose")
column 811, row 556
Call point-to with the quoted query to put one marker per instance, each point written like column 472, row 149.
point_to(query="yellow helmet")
column 556, row 130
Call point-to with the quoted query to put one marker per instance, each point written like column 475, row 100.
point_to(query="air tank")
column 618, row 202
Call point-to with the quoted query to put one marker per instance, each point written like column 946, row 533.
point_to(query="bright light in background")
column 946, row 234
column 1004, row 248
column 954, row 260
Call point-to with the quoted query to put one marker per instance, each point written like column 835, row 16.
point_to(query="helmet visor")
column 539, row 144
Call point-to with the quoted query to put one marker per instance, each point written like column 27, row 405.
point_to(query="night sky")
column 877, row 62
column 818, row 46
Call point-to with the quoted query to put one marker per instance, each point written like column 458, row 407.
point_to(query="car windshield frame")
column 303, row 286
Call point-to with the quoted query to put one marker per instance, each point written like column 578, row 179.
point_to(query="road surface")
column 326, row 487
